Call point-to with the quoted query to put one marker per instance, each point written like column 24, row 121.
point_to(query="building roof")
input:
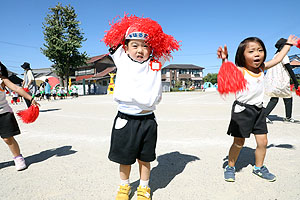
column 96, row 58
column 104, row 72
column 183, row 66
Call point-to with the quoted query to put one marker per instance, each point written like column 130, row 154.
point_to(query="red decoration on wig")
column 230, row 79
column 160, row 43
column 29, row 115
column 298, row 44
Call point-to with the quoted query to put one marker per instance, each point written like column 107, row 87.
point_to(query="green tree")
column 211, row 77
column 63, row 38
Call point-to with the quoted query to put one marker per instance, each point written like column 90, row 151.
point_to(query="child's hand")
column 33, row 102
column 292, row 40
column 222, row 53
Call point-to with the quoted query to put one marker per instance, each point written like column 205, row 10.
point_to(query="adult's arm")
column 292, row 74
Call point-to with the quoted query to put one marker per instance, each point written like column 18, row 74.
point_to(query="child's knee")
column 239, row 142
column 8, row 140
column 143, row 163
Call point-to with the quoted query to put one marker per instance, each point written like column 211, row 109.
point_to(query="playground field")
column 66, row 150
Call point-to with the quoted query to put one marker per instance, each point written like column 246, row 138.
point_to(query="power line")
column 20, row 45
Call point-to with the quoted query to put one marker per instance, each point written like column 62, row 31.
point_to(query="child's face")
column 254, row 55
column 138, row 50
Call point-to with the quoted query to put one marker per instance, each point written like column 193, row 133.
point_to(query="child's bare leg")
column 261, row 149
column 235, row 150
column 125, row 171
column 13, row 146
column 144, row 170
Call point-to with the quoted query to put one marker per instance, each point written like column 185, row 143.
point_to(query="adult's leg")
column 271, row 105
column 288, row 102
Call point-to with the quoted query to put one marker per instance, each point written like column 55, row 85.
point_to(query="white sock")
column 124, row 182
column 144, row 183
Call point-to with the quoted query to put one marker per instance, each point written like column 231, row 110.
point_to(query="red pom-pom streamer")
column 160, row 43
column 298, row 44
column 230, row 79
column 298, row 91
column 29, row 115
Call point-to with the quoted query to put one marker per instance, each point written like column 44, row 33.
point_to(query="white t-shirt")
column 254, row 93
column 4, row 107
column 28, row 76
column 137, row 86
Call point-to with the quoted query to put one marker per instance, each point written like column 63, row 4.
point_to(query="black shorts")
column 251, row 120
column 8, row 126
column 133, row 137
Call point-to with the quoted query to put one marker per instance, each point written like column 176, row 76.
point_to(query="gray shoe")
column 229, row 174
column 264, row 173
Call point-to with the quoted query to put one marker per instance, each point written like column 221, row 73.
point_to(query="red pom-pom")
column 230, row 79
column 29, row 115
column 12, row 101
column 26, row 89
column 18, row 100
column 298, row 44
column 292, row 87
column 298, row 91
column 160, row 43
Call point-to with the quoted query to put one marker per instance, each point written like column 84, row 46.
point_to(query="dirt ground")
column 66, row 152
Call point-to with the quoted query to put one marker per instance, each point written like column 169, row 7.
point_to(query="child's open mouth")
column 257, row 61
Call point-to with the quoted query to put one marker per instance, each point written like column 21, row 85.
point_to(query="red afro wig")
column 161, row 44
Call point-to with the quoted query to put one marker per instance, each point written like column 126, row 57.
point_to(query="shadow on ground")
column 169, row 166
column 247, row 156
column 50, row 110
column 280, row 119
column 42, row 156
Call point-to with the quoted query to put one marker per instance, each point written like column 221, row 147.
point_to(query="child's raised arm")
column 19, row 90
column 292, row 40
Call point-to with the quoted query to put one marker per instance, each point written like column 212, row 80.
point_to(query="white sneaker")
column 20, row 163
column 289, row 120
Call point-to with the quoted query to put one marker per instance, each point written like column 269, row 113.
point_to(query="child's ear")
column 126, row 48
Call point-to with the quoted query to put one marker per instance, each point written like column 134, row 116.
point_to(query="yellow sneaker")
column 143, row 193
column 123, row 192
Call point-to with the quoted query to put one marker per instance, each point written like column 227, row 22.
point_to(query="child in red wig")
column 139, row 48
column 8, row 123
column 248, row 115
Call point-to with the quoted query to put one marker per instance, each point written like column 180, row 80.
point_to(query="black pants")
column 288, row 102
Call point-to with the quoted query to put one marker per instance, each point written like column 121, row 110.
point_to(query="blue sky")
column 202, row 26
